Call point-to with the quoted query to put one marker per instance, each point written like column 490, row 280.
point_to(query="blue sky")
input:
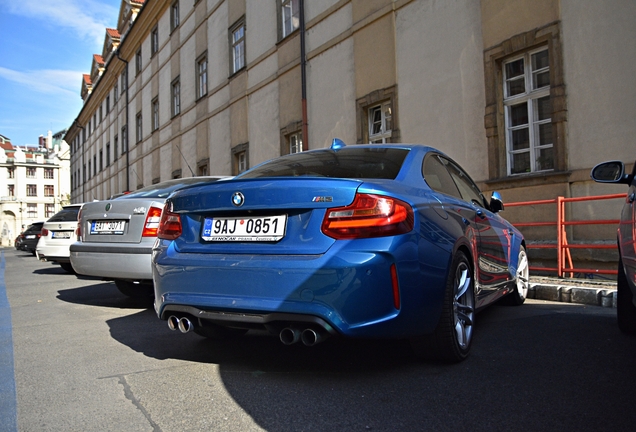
column 45, row 47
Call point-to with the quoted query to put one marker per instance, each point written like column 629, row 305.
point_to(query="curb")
column 603, row 295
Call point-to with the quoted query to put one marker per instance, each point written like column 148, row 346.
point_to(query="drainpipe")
column 127, row 131
column 303, row 75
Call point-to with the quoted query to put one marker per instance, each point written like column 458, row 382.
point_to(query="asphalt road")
column 86, row 358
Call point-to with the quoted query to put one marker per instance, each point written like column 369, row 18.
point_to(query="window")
column 528, row 113
column 237, row 46
column 380, row 123
column 32, row 190
column 124, row 140
column 49, row 210
column 138, row 61
column 94, row 165
column 526, row 106
column 32, row 210
column 202, row 76
column 203, row 170
column 176, row 97
column 241, row 161
column 295, row 143
column 139, row 127
column 107, row 154
column 174, row 15
column 240, row 158
column 49, row 173
column 115, row 92
column 290, row 16
column 154, row 41
column 30, row 172
column 107, row 104
column 376, row 118
column 49, row 190
column 115, row 147
column 155, row 114
column 101, row 113
column 11, row 190
column 124, row 79
column 10, row 172
column 101, row 160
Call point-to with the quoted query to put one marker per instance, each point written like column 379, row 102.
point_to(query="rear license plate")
column 30, row 236
column 270, row 228
column 61, row 234
column 108, row 227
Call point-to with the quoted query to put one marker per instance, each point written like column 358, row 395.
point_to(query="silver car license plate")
column 108, row 227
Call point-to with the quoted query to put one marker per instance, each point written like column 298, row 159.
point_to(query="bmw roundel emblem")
column 238, row 199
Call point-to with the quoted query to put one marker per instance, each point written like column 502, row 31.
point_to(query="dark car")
column 362, row 241
column 30, row 237
column 614, row 172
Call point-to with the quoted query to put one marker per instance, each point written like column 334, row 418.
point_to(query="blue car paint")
column 345, row 282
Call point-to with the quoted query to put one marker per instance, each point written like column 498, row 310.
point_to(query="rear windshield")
column 65, row 215
column 162, row 190
column 350, row 162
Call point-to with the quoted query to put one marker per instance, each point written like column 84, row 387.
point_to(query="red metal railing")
column 564, row 257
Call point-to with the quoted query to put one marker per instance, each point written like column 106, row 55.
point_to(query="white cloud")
column 47, row 81
column 85, row 18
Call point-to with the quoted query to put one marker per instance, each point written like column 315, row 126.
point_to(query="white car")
column 58, row 234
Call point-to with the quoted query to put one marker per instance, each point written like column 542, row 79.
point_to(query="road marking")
column 8, row 404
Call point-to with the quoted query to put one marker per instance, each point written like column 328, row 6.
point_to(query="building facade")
column 34, row 184
column 528, row 95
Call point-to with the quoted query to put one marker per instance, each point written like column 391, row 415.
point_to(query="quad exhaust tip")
column 308, row 336
column 288, row 335
column 183, row 324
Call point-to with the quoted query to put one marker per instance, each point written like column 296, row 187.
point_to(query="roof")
column 113, row 33
column 98, row 59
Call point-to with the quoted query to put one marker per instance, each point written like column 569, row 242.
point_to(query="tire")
column 625, row 309
column 67, row 267
column 453, row 336
column 140, row 290
column 213, row 331
column 518, row 296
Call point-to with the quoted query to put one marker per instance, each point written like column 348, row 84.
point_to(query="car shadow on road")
column 104, row 294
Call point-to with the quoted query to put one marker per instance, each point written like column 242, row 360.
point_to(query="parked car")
column 614, row 172
column 364, row 241
column 58, row 234
column 30, row 237
column 115, row 237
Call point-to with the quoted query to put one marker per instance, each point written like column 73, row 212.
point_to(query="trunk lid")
column 301, row 202
column 117, row 221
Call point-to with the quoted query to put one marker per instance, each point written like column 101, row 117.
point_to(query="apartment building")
column 34, row 183
column 528, row 95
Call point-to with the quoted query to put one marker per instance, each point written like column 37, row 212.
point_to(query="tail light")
column 151, row 226
column 170, row 225
column 44, row 232
column 368, row 216
column 78, row 231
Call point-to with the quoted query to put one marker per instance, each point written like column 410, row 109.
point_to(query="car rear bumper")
column 351, row 291
column 47, row 252
column 112, row 262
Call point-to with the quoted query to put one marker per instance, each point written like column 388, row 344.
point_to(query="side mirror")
column 496, row 204
column 609, row 172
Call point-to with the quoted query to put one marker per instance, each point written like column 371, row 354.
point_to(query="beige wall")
column 440, row 80
column 503, row 19
column 600, row 70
